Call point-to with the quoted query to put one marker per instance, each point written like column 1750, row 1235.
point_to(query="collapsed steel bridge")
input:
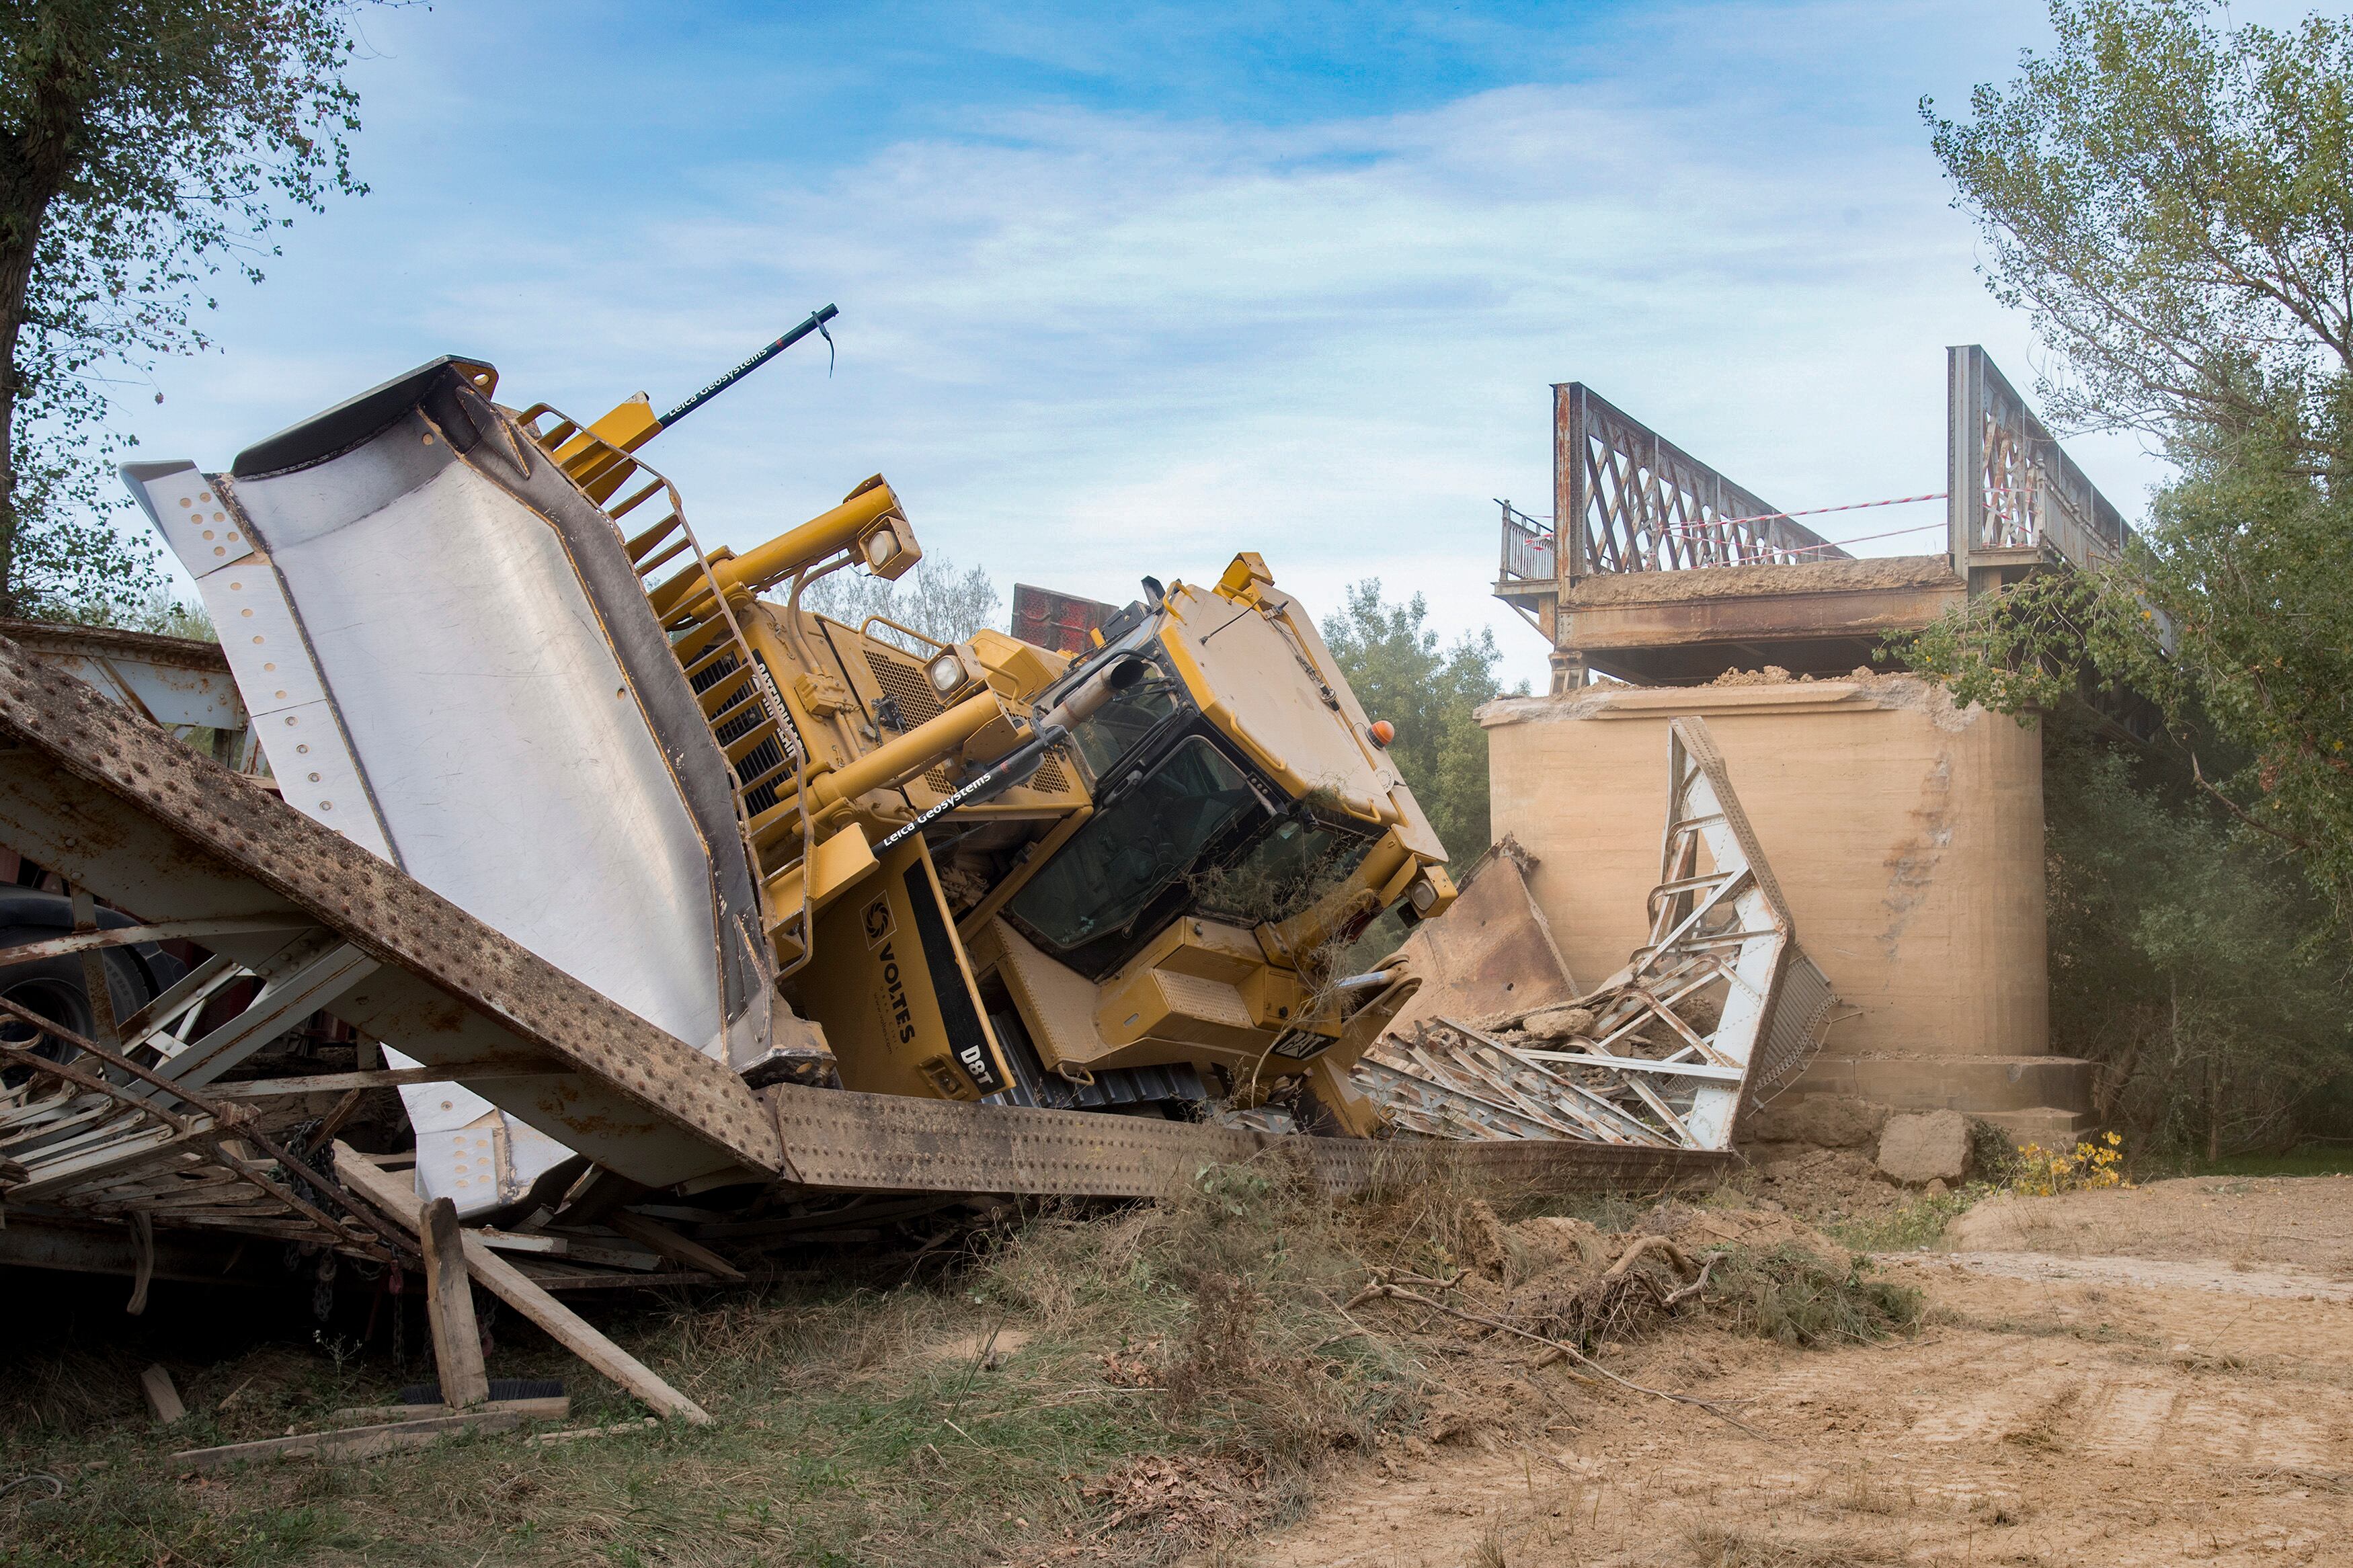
column 125, row 1156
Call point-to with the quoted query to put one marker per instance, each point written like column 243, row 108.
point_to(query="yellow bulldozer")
column 1118, row 878
column 486, row 644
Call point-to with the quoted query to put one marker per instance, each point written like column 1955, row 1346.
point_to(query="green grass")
column 1913, row 1227
column 1791, row 1295
column 1165, row 1378
column 857, row 1419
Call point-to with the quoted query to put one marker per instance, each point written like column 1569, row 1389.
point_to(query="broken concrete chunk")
column 1559, row 1023
column 1824, row 1120
column 1932, row 1146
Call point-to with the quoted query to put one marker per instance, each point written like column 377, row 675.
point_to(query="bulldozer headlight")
column 947, row 672
column 889, row 548
column 1422, row 894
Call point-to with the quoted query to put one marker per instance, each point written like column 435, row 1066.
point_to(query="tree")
column 2181, row 958
column 935, row 599
column 1431, row 694
column 145, row 146
column 2172, row 200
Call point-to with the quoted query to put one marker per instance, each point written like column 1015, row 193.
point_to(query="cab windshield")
column 1122, row 724
column 1135, row 849
column 1291, row 864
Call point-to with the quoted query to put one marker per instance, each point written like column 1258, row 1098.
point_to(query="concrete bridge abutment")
column 1905, row 831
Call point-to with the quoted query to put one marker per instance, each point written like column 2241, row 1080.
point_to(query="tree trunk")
column 2213, row 1110
column 33, row 167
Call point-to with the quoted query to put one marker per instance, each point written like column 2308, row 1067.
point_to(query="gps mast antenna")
column 815, row 324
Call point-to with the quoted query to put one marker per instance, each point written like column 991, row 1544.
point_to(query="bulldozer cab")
column 1161, row 932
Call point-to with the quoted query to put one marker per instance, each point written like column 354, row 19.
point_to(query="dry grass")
column 1088, row 1383
column 1713, row 1546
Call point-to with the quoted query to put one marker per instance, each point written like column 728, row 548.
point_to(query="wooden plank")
column 549, row 1244
column 449, row 1305
column 557, row 1409
column 686, row 1254
column 351, row 1442
column 567, row 1281
column 566, row 1327
column 163, row 1399
column 398, row 1199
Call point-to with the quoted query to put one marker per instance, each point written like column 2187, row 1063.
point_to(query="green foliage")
column 146, row 147
column 934, row 598
column 2332, row 1159
column 1794, row 1296
column 158, row 611
column 1914, row 1226
column 2182, row 959
column 1399, row 672
column 2173, row 201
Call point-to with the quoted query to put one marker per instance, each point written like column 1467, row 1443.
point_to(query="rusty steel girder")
column 190, row 849
column 121, row 808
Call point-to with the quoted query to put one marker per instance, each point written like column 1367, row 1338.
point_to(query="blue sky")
column 1126, row 289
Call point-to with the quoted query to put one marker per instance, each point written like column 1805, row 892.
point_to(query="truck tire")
column 53, row 989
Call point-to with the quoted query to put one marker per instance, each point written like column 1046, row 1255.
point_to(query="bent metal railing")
column 1716, row 1009
column 2010, row 486
column 1626, row 500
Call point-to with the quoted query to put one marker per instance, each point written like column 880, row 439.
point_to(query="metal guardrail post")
column 1964, row 452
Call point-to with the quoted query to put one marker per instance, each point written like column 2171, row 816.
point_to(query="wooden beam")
column 557, row 1407
column 547, row 1244
column 351, row 1442
column 686, row 1254
column 163, row 1399
column 508, row 1283
column 449, row 1305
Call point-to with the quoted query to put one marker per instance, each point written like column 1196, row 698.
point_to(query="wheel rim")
column 53, row 1000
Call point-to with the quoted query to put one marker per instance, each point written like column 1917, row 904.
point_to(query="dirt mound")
column 1823, row 1186
column 1701, row 1229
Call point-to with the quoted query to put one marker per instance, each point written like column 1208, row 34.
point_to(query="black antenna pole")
column 815, row 324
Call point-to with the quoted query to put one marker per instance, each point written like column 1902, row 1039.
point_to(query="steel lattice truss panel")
column 1717, row 1007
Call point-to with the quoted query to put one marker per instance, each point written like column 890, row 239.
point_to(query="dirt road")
column 2159, row 1376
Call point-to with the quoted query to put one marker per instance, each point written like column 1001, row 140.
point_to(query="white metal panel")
column 468, row 1150
column 497, row 733
column 285, row 694
column 187, row 509
column 171, row 694
column 481, row 733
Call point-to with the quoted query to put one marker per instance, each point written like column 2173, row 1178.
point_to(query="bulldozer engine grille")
column 763, row 758
column 1050, row 778
column 902, row 681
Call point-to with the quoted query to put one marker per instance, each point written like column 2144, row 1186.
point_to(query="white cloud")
column 1086, row 346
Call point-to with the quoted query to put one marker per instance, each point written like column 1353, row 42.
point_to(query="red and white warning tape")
column 1707, row 529
column 1818, row 511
